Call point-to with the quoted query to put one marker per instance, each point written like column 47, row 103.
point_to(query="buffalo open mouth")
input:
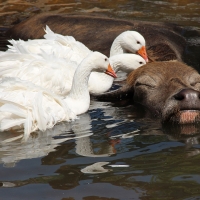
column 185, row 117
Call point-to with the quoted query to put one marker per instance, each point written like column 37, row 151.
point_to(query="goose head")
column 126, row 62
column 99, row 63
column 129, row 42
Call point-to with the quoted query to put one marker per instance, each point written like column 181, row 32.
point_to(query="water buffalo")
column 164, row 41
column 169, row 90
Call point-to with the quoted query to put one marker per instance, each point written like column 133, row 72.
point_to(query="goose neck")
column 80, row 81
column 115, row 63
column 116, row 47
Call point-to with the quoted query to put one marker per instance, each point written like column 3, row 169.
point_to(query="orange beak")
column 111, row 72
column 142, row 52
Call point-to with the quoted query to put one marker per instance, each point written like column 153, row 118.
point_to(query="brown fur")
column 158, row 86
column 97, row 33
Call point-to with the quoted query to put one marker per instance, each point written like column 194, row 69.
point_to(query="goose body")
column 47, row 71
column 25, row 105
column 58, row 56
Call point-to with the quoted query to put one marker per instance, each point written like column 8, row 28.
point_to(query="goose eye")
column 138, row 42
column 141, row 62
column 106, row 59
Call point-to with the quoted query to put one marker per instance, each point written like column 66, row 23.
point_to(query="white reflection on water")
column 84, row 147
column 44, row 142
column 96, row 168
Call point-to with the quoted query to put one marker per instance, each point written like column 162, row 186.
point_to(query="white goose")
column 56, row 74
column 25, row 105
column 61, row 50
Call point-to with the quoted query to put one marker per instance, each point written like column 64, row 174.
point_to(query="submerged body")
column 164, row 41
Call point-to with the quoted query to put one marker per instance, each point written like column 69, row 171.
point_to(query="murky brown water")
column 111, row 152
column 185, row 12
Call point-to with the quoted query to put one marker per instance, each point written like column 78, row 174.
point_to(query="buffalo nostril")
column 179, row 96
column 187, row 95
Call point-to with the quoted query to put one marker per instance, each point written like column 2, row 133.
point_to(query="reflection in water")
column 84, row 147
column 95, row 168
column 154, row 159
column 140, row 164
column 189, row 134
column 109, row 145
column 42, row 143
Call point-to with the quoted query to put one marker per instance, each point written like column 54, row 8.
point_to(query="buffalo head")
column 169, row 90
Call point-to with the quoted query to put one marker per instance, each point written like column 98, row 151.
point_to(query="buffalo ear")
column 122, row 93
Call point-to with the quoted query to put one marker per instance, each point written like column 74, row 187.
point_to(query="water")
column 184, row 12
column 111, row 152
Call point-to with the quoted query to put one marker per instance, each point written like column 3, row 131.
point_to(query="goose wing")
column 25, row 105
column 45, row 70
column 57, row 44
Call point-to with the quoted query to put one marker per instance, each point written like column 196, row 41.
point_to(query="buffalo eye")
column 193, row 84
column 142, row 84
column 196, row 85
column 194, row 80
column 149, row 84
column 146, row 81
